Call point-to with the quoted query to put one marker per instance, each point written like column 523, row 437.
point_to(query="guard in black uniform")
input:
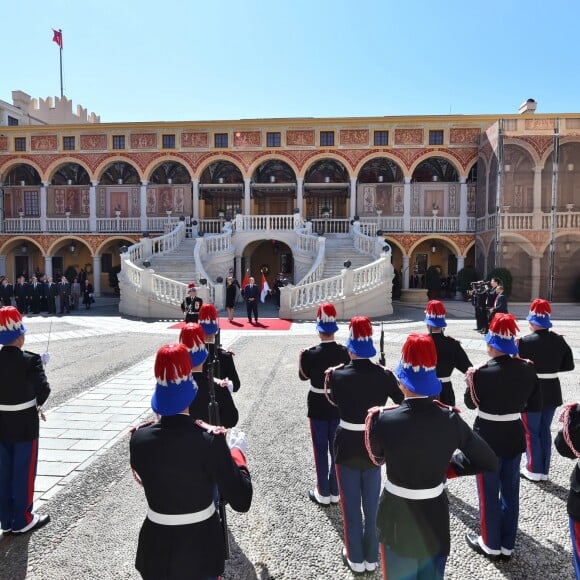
column 413, row 520
column 179, row 462
column 550, row 354
column 312, row 364
column 450, row 353
column 501, row 390
column 191, row 304
column 225, row 368
column 23, row 391
column 193, row 336
column 354, row 389
column 568, row 444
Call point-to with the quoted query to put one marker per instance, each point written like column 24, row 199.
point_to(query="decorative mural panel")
column 354, row 137
column 3, row 143
column 369, row 198
column 408, row 136
column 541, row 143
column 539, row 124
column 384, row 202
column 102, row 201
column 165, row 198
column 135, row 196
column 178, row 199
column 415, row 197
column 195, row 139
column 59, row 201
column 452, row 200
column 304, row 137
column 151, row 200
column 93, row 142
column 471, row 189
column 85, row 202
column 464, row 136
column 43, row 142
column 398, row 195
column 518, row 197
column 143, row 141
column 247, row 139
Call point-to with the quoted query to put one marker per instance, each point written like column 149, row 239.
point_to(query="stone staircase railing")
column 315, row 246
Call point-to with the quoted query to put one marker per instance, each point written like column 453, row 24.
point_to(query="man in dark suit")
column 64, row 295
column 51, row 292
column 500, row 305
column 251, row 294
column 36, row 294
column 21, row 292
column 7, row 292
column 23, row 391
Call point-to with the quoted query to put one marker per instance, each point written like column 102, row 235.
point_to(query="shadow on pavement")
column 14, row 556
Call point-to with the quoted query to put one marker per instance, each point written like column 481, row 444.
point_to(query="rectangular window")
column 168, row 141
column 118, row 141
column 31, row 206
column 327, row 138
column 435, row 137
column 273, row 139
column 19, row 143
column 12, row 121
column 381, row 138
column 220, row 140
column 68, row 143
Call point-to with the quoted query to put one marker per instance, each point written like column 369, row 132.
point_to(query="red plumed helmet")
column 540, row 307
column 192, row 335
column 208, row 312
column 9, row 317
column 191, row 286
column 172, row 364
column 435, row 308
column 504, row 326
column 419, row 351
column 360, row 328
column 326, row 312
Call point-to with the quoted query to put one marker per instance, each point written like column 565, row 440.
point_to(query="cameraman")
column 490, row 302
column 479, row 301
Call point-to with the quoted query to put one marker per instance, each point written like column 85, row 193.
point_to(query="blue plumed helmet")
column 360, row 340
column 417, row 367
column 11, row 326
column 502, row 333
column 175, row 388
column 193, row 337
column 435, row 314
column 326, row 319
column 208, row 319
column 540, row 311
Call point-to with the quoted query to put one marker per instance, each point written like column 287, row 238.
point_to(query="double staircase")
column 178, row 265
column 340, row 249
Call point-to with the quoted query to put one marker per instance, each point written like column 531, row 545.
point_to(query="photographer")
column 479, row 300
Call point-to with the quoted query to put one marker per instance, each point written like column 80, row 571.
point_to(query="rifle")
column 382, row 359
column 214, row 419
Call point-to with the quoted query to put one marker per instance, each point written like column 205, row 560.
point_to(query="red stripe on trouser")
column 576, row 542
column 383, row 560
column 315, row 455
column 343, row 510
column 482, row 518
column 31, row 477
column 529, row 463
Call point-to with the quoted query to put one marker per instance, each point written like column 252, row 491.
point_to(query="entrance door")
column 21, row 267
column 57, row 268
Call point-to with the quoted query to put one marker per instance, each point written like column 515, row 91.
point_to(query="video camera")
column 479, row 286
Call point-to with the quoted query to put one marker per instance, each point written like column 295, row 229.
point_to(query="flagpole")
column 61, row 89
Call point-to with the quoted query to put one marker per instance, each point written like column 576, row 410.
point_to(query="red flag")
column 57, row 37
column 246, row 280
column 265, row 288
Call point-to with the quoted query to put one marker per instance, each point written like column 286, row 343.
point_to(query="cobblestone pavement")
column 102, row 379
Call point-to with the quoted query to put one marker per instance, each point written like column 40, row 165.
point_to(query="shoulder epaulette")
column 213, row 429
column 330, row 369
column 328, row 373
column 134, row 428
column 526, row 360
column 444, row 406
column 469, row 380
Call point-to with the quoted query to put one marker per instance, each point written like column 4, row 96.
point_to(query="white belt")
column 414, row 493
column 445, row 379
column 352, row 426
column 19, row 407
column 315, row 390
column 547, row 375
column 181, row 519
column 507, row 417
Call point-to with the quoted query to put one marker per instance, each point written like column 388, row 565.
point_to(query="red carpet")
column 243, row 324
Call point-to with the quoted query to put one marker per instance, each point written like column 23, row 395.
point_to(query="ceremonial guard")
column 23, row 390
column 324, row 417
column 568, row 444
column 550, row 354
column 354, row 389
column 193, row 336
column 191, row 304
column 223, row 360
column 416, row 442
column 501, row 390
column 180, row 461
column 450, row 353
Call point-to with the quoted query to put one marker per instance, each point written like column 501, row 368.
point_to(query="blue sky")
column 143, row 60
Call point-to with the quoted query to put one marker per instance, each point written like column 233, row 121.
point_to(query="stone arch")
column 514, row 141
column 271, row 156
column 254, row 174
column 431, row 154
column 118, row 237
column 13, row 163
column 66, row 240
column 155, row 164
column 435, row 237
column 56, row 165
column 377, row 155
column 215, row 158
column 99, row 170
column 321, row 157
column 19, row 239
column 392, row 241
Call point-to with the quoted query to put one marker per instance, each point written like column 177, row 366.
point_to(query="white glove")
column 45, row 358
column 225, row 383
column 236, row 439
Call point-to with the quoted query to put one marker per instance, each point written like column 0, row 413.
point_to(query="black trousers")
column 252, row 308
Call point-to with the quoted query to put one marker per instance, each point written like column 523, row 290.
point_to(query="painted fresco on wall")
column 165, row 198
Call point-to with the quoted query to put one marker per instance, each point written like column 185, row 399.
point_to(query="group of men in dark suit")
column 37, row 295
column 488, row 299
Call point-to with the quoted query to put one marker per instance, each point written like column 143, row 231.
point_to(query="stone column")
column 43, row 206
column 143, row 206
column 406, row 204
column 460, row 266
column 93, row 206
column 2, row 265
column 97, row 275
column 352, row 208
column 299, row 193
column 247, row 188
column 537, row 207
column 195, row 197
column 405, row 273
column 48, row 266
column 535, row 278
column 462, row 205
